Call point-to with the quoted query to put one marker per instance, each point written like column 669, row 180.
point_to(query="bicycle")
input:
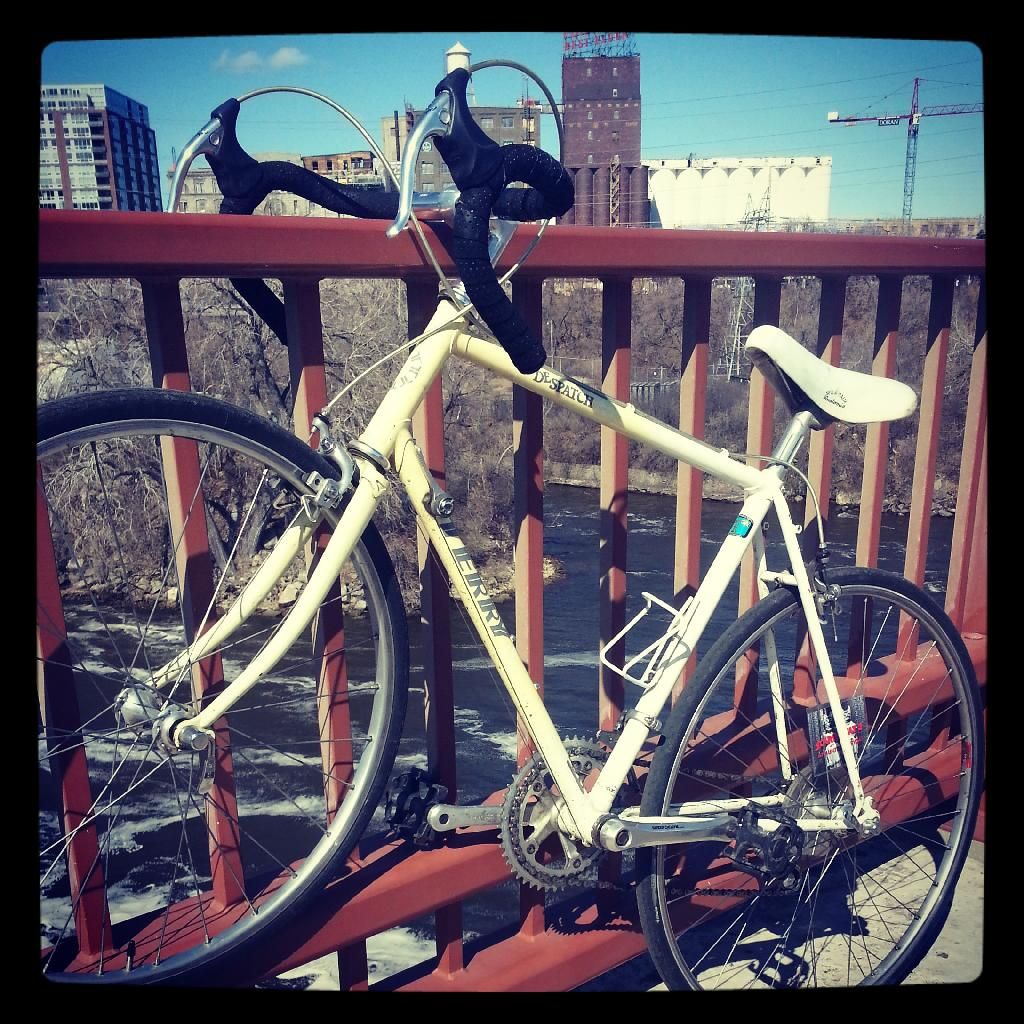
column 792, row 826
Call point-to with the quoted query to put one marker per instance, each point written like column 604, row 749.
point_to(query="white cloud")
column 250, row 60
column 287, row 57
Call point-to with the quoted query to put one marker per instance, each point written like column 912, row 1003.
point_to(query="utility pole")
column 913, row 119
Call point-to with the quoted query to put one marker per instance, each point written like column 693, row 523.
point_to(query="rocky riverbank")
column 570, row 475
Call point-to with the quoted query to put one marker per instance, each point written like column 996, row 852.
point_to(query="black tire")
column 859, row 910
column 292, row 804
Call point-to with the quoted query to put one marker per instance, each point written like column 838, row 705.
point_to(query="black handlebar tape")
column 481, row 169
column 554, row 196
column 245, row 182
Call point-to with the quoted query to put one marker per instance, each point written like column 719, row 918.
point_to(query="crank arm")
column 447, row 817
column 618, row 833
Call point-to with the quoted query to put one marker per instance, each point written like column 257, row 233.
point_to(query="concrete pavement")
column 955, row 957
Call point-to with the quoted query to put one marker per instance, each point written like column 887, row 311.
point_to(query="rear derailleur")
column 773, row 855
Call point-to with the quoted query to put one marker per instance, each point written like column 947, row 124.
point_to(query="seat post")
column 799, row 427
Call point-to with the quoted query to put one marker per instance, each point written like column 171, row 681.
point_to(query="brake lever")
column 436, row 122
column 207, row 142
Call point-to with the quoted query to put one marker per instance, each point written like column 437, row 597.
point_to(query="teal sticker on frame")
column 742, row 526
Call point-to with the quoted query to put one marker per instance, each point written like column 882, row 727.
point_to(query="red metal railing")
column 392, row 885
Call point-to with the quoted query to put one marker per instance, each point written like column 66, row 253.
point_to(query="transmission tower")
column 913, row 119
column 755, row 218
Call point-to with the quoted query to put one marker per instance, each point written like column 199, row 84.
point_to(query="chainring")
column 538, row 852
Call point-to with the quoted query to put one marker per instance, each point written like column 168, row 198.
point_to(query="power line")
column 773, row 135
column 812, row 85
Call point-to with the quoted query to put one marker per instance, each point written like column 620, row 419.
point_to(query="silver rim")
column 131, row 861
column 861, row 906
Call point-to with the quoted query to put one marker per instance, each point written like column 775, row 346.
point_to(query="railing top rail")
column 79, row 243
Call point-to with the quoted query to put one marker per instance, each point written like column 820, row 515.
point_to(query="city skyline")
column 703, row 95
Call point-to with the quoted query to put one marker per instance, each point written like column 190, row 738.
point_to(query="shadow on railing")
column 392, row 884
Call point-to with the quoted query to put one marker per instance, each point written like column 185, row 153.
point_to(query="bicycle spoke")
column 862, row 901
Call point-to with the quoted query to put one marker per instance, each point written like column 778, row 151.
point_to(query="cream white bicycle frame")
column 387, row 443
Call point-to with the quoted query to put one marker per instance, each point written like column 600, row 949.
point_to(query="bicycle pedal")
column 409, row 796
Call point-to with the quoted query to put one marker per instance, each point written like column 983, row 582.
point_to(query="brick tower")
column 601, row 98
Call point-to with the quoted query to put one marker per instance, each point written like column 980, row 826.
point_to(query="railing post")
column 614, row 496
column 960, row 567
column 61, row 717
column 829, row 348
column 976, row 597
column 528, row 442
column 616, row 315
column 760, row 431
column 435, row 616
column 760, row 418
column 693, row 388
column 940, row 314
column 309, row 388
column 876, row 443
column 165, row 332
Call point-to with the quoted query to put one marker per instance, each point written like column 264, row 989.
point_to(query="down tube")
column 466, row 581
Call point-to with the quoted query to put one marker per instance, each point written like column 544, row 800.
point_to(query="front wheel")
column 846, row 909
column 154, row 511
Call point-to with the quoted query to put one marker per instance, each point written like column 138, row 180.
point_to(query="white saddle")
column 840, row 394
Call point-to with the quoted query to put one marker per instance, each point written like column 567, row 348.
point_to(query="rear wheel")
column 855, row 909
column 155, row 509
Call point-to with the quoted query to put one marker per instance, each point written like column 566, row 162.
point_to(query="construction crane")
column 913, row 119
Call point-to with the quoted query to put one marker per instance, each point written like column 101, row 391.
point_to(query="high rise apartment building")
column 96, row 150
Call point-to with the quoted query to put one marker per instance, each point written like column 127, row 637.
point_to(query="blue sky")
column 703, row 94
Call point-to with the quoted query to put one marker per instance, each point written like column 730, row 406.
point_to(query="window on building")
column 615, row 92
column 590, row 136
column 427, row 168
column 507, row 121
column 590, row 115
column 486, row 121
column 316, row 165
column 615, row 115
column 330, row 165
column 590, row 158
column 590, row 72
